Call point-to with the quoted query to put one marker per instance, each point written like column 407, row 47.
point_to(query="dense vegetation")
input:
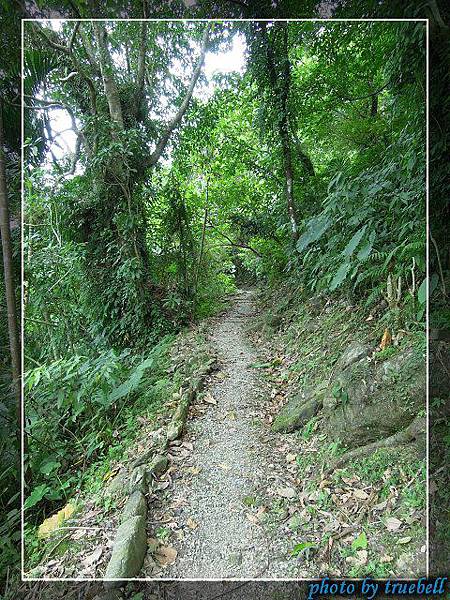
column 308, row 165
column 276, row 258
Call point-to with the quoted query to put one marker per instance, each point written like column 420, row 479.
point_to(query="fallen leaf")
column 110, row 474
column 194, row 470
column 361, row 494
column 224, row 467
column 92, row 558
column 191, row 523
column 166, row 555
column 392, row 524
column 386, row 340
column 290, row 457
column 286, row 492
column 209, row 399
column 358, row 560
column 252, row 518
column 380, row 505
column 299, row 548
column 360, row 541
column 188, row 445
column 386, row 559
column 404, row 540
column 52, row 523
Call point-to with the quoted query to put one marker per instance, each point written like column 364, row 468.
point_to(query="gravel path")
column 228, row 462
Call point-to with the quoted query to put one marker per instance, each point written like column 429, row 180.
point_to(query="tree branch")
column 354, row 98
column 232, row 243
column 160, row 146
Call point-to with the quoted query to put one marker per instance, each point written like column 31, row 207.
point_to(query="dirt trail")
column 234, row 461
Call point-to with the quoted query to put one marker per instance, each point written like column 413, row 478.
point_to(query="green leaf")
column 47, row 467
column 360, row 542
column 340, row 275
column 353, row 243
column 422, row 292
column 36, row 496
column 299, row 548
column 316, row 227
column 365, row 251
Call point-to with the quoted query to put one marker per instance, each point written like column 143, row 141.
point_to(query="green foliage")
column 76, row 407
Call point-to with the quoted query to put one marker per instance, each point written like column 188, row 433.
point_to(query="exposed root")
column 404, row 436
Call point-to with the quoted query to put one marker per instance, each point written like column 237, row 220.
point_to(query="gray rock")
column 353, row 353
column 138, row 480
column 373, row 401
column 118, row 485
column 136, row 506
column 128, row 552
column 298, row 411
column 159, row 464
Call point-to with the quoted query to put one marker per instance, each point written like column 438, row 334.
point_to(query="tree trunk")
column 107, row 71
column 280, row 83
column 14, row 342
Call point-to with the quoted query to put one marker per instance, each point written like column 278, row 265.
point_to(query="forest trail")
column 230, row 461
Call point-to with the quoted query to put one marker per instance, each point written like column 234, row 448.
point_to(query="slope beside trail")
column 230, row 460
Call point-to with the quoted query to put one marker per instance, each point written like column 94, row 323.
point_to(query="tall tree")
column 13, row 330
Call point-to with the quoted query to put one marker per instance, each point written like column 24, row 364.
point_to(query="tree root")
column 404, row 436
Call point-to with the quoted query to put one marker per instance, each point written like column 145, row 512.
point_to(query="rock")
column 136, row 506
column 158, row 465
column 298, row 411
column 174, row 430
column 128, row 552
column 138, row 480
column 175, row 427
column 354, row 353
column 369, row 401
column 118, row 485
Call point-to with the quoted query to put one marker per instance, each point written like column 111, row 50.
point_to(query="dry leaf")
column 361, row 494
column 224, row 467
column 290, row 457
column 252, row 518
column 404, row 540
column 392, row 524
column 386, row 559
column 380, row 505
column 191, row 523
column 194, row 470
column 92, row 558
column 386, row 340
column 286, row 492
column 209, row 399
column 358, row 560
column 54, row 522
column 166, row 555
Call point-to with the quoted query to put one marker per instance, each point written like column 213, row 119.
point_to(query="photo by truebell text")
column 368, row 588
